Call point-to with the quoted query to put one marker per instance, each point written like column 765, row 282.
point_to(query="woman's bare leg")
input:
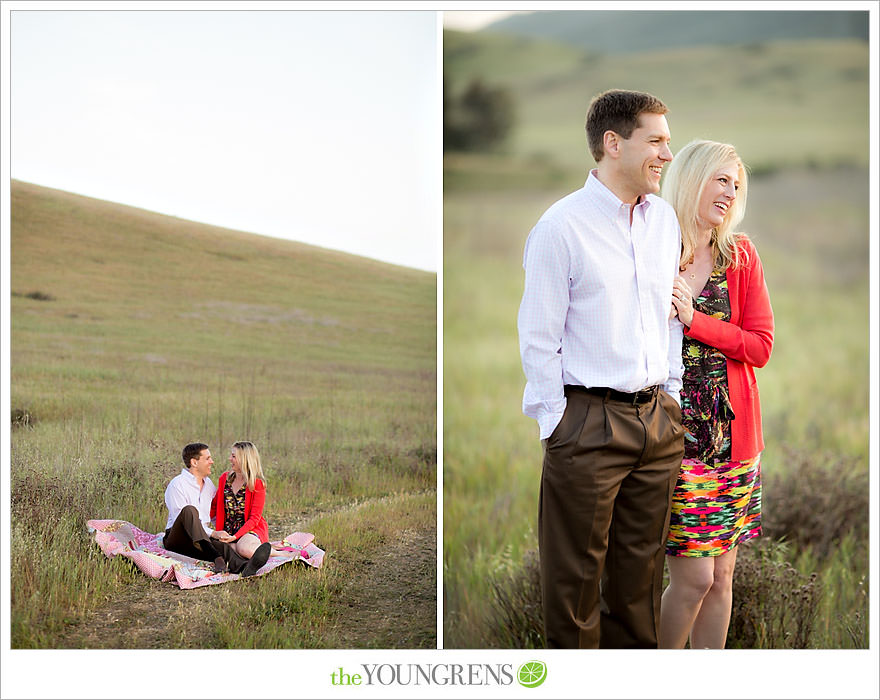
column 247, row 545
column 690, row 579
column 713, row 619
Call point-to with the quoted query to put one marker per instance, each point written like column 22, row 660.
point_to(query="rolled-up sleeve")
column 541, row 323
column 672, row 385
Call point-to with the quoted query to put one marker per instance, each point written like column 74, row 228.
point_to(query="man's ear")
column 611, row 143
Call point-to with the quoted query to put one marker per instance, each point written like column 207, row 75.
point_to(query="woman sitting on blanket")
column 238, row 506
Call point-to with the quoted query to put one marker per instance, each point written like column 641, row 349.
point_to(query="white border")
column 438, row 212
column 304, row 673
column 5, row 332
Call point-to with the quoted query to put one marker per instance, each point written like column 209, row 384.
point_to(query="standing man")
column 189, row 530
column 602, row 359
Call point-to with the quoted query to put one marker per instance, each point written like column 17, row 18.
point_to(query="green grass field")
column 134, row 334
column 810, row 228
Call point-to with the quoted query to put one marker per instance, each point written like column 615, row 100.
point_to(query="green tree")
column 479, row 120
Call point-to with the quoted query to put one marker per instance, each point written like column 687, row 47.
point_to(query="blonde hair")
column 249, row 459
column 686, row 178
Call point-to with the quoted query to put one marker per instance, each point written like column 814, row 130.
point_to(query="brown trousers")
column 609, row 472
column 187, row 536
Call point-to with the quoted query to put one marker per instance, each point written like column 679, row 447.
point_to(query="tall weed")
column 774, row 605
column 516, row 620
column 817, row 501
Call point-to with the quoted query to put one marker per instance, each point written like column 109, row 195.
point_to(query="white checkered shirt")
column 595, row 308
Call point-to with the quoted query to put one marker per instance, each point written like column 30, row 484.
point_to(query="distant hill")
column 783, row 102
column 609, row 31
column 84, row 268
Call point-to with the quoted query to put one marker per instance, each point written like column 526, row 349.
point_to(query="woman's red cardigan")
column 746, row 340
column 253, row 509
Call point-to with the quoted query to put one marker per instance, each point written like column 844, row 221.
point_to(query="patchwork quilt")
column 144, row 549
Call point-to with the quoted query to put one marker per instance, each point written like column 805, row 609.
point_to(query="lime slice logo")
column 531, row 674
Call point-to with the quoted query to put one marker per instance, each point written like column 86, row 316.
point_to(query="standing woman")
column 238, row 507
column 722, row 300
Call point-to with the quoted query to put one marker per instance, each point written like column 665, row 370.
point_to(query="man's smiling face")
column 644, row 153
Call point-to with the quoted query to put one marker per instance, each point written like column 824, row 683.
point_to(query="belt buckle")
column 643, row 395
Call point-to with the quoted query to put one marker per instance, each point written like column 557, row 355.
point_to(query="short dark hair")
column 617, row 111
column 193, row 451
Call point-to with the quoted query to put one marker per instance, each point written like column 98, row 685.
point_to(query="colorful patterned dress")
column 233, row 504
column 717, row 501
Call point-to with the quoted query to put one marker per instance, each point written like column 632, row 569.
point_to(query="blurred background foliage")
column 477, row 120
column 790, row 91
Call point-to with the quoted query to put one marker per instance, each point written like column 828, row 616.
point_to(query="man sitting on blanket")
column 188, row 532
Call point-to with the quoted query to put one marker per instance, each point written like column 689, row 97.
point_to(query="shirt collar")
column 189, row 476
column 596, row 188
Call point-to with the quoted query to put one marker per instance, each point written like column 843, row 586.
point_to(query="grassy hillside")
column 617, row 31
column 134, row 333
column 782, row 103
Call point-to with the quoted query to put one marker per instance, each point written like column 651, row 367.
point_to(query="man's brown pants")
column 187, row 536
column 610, row 468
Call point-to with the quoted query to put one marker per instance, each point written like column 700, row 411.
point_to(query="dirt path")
column 394, row 604
column 389, row 603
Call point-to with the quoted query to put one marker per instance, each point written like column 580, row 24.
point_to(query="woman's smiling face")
column 234, row 463
column 718, row 195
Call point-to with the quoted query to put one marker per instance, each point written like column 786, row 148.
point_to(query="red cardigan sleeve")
column 258, row 500
column 221, row 482
column 751, row 340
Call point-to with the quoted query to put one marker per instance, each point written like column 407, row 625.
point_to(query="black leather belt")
column 638, row 397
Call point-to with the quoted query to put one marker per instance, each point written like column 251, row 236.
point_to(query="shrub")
column 516, row 618
column 37, row 296
column 774, row 605
column 22, row 418
column 817, row 502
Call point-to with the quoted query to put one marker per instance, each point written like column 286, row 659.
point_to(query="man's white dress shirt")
column 597, row 297
column 183, row 490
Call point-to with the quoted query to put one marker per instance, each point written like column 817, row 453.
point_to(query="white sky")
column 322, row 127
column 472, row 20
